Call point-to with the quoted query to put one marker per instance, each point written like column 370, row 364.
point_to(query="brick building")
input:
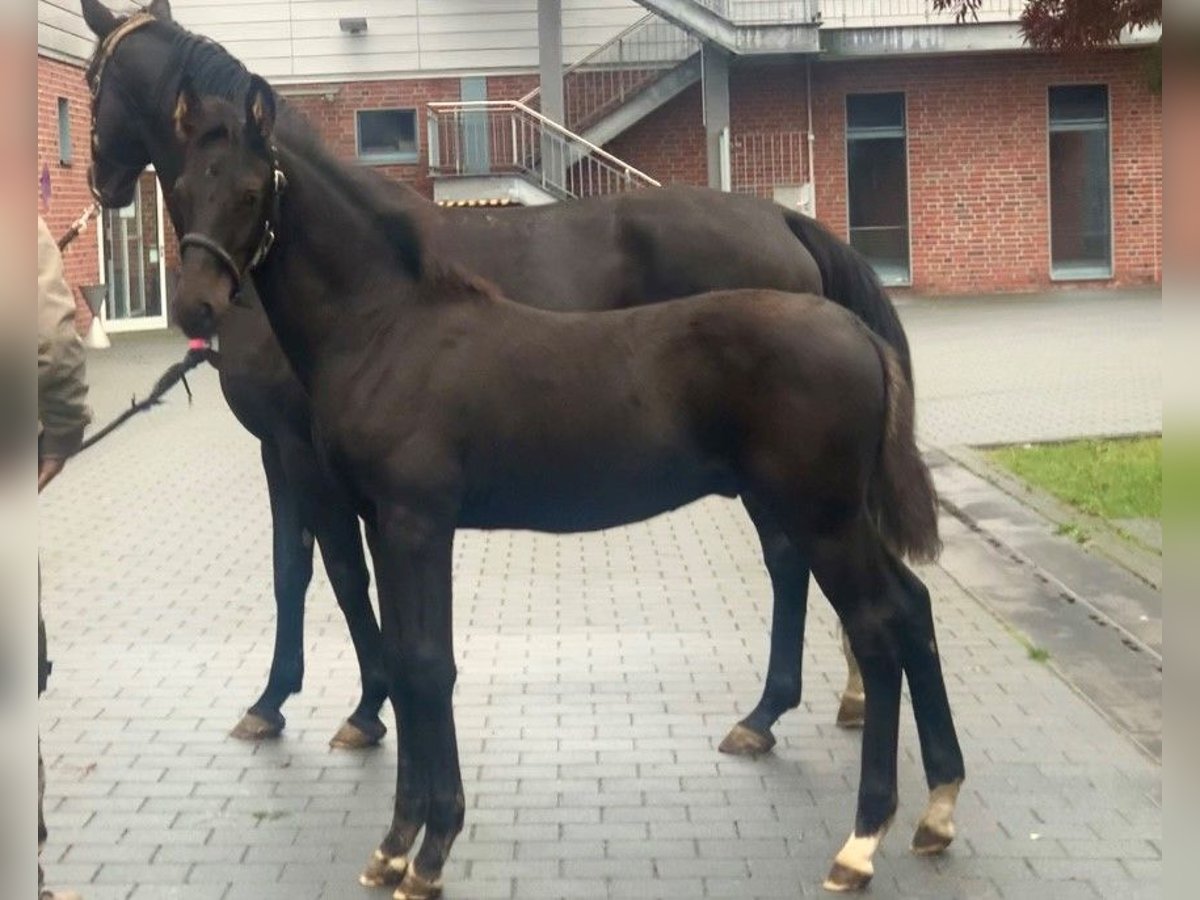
column 956, row 159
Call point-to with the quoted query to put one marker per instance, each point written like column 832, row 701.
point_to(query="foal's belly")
column 564, row 501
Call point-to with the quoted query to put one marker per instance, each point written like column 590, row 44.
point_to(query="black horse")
column 589, row 255
column 441, row 405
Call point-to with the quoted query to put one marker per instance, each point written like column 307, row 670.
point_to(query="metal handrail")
column 599, row 51
column 568, row 137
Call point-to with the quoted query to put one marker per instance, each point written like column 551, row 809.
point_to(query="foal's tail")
column 901, row 496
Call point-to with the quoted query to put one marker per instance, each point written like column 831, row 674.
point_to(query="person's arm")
column 62, row 387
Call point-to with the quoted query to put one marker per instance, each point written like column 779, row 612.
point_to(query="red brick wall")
column 669, row 143
column 979, row 214
column 334, row 119
column 69, row 192
column 977, row 153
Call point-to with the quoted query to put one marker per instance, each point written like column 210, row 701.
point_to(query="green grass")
column 1113, row 479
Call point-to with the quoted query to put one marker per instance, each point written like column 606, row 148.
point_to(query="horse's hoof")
column 255, row 727
column 853, row 711
column 414, row 887
column 842, row 879
column 384, row 871
column 928, row 841
column 744, row 741
column 358, row 737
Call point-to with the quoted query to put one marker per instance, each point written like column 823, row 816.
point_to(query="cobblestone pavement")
column 597, row 675
column 1037, row 367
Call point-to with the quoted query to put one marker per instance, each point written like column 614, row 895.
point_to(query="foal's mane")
column 396, row 208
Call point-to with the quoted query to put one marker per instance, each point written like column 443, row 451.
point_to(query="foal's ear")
column 260, row 110
column 187, row 111
column 99, row 18
column 160, row 9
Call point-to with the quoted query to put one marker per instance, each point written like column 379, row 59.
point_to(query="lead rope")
column 198, row 352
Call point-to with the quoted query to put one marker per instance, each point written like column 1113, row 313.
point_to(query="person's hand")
column 48, row 469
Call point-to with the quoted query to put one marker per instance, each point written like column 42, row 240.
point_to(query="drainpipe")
column 812, row 138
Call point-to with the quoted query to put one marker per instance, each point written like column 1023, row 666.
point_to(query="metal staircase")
column 476, row 147
column 507, row 150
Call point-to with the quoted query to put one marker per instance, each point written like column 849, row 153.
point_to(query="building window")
column 64, row 131
column 877, row 183
column 1080, row 192
column 387, row 135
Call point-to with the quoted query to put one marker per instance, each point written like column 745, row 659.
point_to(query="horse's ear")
column 187, row 111
column 99, row 18
column 160, row 9
column 260, row 109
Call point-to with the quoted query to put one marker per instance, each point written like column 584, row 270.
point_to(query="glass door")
column 132, row 255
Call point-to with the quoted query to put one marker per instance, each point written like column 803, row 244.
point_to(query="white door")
column 132, row 263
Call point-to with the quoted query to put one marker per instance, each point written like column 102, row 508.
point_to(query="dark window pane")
column 387, row 132
column 64, row 131
column 1078, row 103
column 1079, row 202
column 877, row 181
column 870, row 112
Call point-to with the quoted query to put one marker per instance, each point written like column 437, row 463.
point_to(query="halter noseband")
column 265, row 243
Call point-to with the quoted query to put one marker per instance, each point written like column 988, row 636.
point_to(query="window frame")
column 867, row 134
column 66, row 143
column 1058, row 273
column 401, row 157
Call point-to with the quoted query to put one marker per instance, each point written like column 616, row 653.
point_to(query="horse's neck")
column 319, row 283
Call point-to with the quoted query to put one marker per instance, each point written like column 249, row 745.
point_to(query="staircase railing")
column 762, row 12
column 615, row 71
column 488, row 137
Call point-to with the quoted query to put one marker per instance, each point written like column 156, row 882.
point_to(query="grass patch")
column 1038, row 654
column 1113, row 479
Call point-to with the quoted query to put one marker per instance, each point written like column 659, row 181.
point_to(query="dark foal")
column 603, row 253
column 443, row 406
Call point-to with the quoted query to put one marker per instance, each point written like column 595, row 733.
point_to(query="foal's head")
column 226, row 200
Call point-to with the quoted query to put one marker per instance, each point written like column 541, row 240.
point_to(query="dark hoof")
column 842, row 879
column 383, row 871
column 744, row 741
column 414, row 887
column 353, row 736
column 930, row 842
column 256, row 727
column 853, row 711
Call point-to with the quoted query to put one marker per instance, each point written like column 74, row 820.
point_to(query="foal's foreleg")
column 413, row 566
column 788, row 570
column 292, row 552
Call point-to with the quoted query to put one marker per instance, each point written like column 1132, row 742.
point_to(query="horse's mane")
column 397, row 210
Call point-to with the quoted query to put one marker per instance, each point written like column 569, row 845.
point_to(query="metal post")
column 550, row 71
column 715, row 90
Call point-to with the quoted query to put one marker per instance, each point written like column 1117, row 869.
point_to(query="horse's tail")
column 901, row 496
column 849, row 281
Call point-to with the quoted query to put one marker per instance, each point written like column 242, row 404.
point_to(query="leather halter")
column 265, row 243
column 108, row 47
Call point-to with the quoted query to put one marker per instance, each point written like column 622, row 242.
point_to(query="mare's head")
column 130, row 51
column 226, row 199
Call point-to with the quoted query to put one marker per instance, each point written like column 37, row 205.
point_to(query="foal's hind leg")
column 292, row 563
column 940, row 751
column 853, row 572
column 781, row 691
